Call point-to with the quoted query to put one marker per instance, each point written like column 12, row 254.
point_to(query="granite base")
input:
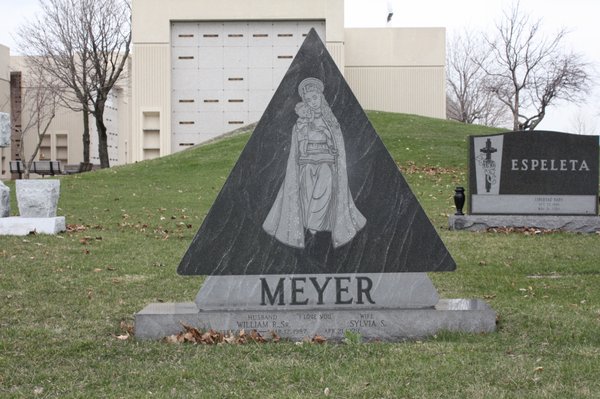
column 20, row 226
column 581, row 224
column 159, row 320
column 383, row 290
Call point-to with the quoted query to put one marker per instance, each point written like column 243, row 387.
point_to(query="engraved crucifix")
column 488, row 150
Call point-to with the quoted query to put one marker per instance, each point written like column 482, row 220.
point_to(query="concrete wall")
column 151, row 18
column 4, row 79
column 398, row 69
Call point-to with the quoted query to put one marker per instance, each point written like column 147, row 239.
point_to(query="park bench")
column 17, row 167
column 83, row 167
column 46, row 168
column 43, row 168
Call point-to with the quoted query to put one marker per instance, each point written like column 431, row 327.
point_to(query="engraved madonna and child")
column 314, row 195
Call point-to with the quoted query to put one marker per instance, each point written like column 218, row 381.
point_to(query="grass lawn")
column 64, row 298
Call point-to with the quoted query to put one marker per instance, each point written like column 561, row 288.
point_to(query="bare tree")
column 531, row 71
column 469, row 99
column 108, row 24
column 39, row 99
column 83, row 45
column 57, row 43
column 583, row 124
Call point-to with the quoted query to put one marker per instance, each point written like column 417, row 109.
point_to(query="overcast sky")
column 580, row 17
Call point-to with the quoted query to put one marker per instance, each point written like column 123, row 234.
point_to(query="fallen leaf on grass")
column 126, row 327
column 318, row 339
column 212, row 337
column 208, row 337
column 538, row 369
column 85, row 240
column 172, row 339
column 256, row 337
column 230, row 339
column 75, row 227
column 275, row 337
column 412, row 168
column 522, row 230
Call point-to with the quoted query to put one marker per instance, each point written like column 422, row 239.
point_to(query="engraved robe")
column 287, row 218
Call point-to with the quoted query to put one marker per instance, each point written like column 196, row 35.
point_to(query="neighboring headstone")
column 4, row 200
column 534, row 173
column 37, row 198
column 18, row 226
column 532, row 179
column 4, row 129
column 316, row 231
column 37, row 201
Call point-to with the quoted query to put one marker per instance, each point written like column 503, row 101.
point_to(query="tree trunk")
column 86, row 136
column 102, row 143
column 515, row 111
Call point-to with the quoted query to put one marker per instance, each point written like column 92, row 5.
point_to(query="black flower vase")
column 459, row 200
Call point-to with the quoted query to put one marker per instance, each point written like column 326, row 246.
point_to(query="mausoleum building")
column 200, row 69
column 215, row 66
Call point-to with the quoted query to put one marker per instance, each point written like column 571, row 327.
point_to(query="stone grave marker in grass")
column 37, row 201
column 537, row 179
column 316, row 232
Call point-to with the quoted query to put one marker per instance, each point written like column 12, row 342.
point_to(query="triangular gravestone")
column 315, row 191
column 316, row 231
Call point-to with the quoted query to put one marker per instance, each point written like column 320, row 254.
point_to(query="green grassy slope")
column 63, row 297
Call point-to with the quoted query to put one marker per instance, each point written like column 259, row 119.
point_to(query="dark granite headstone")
column 315, row 191
column 533, row 173
column 316, row 231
